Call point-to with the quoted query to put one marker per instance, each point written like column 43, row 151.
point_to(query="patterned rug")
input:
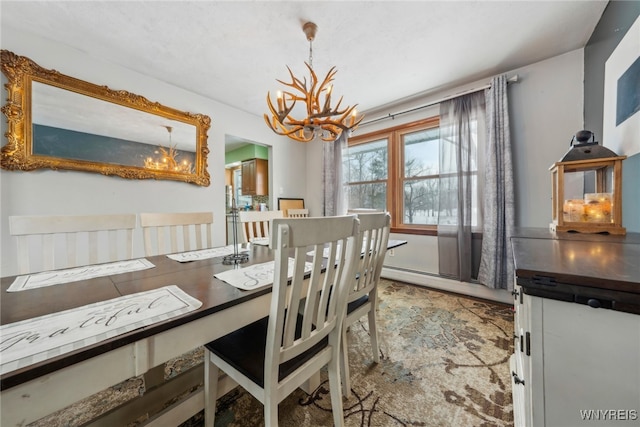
column 444, row 362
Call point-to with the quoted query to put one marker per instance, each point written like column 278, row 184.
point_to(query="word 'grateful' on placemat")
column 257, row 275
column 34, row 340
column 57, row 277
column 205, row 253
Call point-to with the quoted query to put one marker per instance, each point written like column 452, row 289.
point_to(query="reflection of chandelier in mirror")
column 322, row 120
column 168, row 160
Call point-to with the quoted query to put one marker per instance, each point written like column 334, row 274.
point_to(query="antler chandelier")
column 168, row 159
column 322, row 120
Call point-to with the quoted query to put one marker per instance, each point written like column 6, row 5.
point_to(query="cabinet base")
column 588, row 228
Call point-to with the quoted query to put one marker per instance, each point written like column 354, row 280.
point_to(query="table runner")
column 56, row 277
column 205, row 253
column 257, row 275
column 34, row 340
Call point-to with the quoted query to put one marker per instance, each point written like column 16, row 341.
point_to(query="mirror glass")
column 72, row 124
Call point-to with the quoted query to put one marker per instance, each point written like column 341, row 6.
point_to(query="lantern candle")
column 573, row 210
column 598, row 207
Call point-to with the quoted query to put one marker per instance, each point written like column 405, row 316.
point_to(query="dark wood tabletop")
column 196, row 278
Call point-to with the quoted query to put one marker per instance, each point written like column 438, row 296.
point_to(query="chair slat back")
column 374, row 235
column 305, row 311
column 255, row 224
column 176, row 232
column 297, row 213
column 65, row 241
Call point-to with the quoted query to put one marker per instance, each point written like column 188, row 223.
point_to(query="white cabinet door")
column 534, row 362
column 591, row 365
column 518, row 380
column 529, row 360
column 519, row 411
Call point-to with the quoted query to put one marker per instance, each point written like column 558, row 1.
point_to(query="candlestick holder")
column 236, row 257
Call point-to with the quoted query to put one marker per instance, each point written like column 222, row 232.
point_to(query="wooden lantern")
column 587, row 195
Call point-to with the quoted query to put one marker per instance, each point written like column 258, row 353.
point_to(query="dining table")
column 36, row 387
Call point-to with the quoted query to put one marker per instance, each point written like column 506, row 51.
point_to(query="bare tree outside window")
column 420, row 179
column 366, row 171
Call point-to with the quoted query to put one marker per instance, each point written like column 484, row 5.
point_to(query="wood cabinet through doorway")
column 255, row 173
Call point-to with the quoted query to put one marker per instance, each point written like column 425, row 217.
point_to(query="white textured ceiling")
column 232, row 51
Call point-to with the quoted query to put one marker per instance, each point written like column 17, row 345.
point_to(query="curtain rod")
column 513, row 79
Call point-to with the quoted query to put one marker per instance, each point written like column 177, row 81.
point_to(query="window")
column 398, row 170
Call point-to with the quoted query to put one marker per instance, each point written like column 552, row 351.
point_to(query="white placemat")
column 256, row 276
column 205, row 253
column 262, row 241
column 56, row 277
column 325, row 251
column 34, row 340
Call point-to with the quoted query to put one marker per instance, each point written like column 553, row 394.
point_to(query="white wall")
column 546, row 109
column 66, row 192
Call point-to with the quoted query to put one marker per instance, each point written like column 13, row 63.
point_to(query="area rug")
column 443, row 362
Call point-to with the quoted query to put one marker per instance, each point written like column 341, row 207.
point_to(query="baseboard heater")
column 435, row 281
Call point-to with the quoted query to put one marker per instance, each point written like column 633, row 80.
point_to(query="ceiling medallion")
column 321, row 120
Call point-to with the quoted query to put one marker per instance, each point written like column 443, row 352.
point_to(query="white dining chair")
column 297, row 213
column 166, row 233
column 363, row 296
column 49, row 242
column 255, row 224
column 176, row 232
column 272, row 357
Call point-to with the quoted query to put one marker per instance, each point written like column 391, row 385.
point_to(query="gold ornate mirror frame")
column 93, row 119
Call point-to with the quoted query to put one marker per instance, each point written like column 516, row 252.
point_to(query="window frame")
column 395, row 171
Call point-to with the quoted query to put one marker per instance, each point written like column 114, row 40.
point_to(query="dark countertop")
column 573, row 266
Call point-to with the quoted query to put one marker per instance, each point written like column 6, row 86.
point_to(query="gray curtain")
column 461, row 130
column 333, row 201
column 496, row 264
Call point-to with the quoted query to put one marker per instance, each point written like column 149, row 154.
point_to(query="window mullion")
column 395, row 180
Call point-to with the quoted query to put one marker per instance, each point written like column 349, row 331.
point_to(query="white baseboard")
column 436, row 282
